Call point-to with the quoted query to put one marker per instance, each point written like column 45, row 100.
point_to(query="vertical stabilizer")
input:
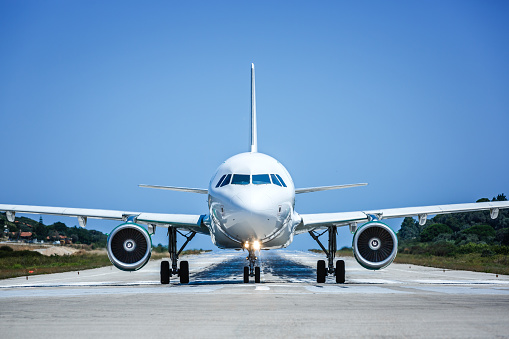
column 254, row 142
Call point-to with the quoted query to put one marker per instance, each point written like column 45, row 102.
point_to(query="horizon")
column 97, row 98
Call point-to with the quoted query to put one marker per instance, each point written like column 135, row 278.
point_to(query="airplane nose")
column 257, row 203
column 255, row 216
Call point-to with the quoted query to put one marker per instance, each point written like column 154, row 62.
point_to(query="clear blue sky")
column 97, row 97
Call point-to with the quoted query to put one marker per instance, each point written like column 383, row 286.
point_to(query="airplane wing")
column 320, row 220
column 325, row 188
column 180, row 189
column 191, row 222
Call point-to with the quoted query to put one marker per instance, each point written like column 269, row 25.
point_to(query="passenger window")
column 226, row 180
column 261, row 179
column 275, row 180
column 241, row 179
column 220, row 180
column 281, row 180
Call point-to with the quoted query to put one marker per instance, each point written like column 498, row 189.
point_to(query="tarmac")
column 400, row 301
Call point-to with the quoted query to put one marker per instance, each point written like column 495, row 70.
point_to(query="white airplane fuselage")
column 251, row 199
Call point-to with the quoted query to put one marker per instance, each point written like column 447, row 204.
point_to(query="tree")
column 409, row 229
column 503, row 236
column 432, row 231
column 482, row 231
column 60, row 227
column 500, row 197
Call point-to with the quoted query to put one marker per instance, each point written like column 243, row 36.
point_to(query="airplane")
column 251, row 207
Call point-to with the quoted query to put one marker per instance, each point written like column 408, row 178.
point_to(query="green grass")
column 162, row 255
column 22, row 262
column 497, row 264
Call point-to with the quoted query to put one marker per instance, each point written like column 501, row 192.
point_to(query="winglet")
column 254, row 142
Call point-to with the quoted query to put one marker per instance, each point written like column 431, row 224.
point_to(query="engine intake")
column 375, row 245
column 129, row 247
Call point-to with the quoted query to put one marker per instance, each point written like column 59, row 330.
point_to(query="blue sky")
column 97, row 97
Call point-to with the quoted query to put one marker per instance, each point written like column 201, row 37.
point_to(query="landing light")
column 246, row 244
column 256, row 245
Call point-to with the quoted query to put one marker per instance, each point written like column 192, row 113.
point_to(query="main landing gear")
column 183, row 271
column 251, row 270
column 321, row 269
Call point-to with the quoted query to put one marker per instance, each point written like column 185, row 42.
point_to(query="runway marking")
column 79, row 292
column 83, row 284
column 462, row 290
column 462, row 282
column 352, row 289
column 373, row 281
column 262, row 288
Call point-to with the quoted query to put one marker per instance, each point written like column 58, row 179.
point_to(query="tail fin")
column 254, row 142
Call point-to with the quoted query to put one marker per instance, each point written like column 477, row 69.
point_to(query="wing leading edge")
column 313, row 221
column 189, row 221
column 180, row 189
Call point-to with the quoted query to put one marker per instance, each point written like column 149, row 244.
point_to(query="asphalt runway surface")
column 400, row 301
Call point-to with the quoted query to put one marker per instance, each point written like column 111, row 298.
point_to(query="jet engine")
column 375, row 245
column 129, row 247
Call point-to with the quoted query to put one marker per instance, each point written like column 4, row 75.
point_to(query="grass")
column 162, row 255
column 22, row 262
column 497, row 264
column 28, row 261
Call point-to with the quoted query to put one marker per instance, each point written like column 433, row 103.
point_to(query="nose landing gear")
column 321, row 269
column 251, row 270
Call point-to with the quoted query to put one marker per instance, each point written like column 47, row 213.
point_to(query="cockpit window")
column 241, row 179
column 261, row 179
column 275, row 180
column 226, row 180
column 220, row 181
column 281, row 180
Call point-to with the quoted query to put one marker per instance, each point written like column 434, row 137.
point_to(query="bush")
column 482, row 231
column 502, row 236
column 14, row 254
column 6, row 248
column 487, row 253
column 432, row 231
column 442, row 249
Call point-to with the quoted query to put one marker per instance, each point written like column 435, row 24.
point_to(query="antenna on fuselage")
column 254, row 143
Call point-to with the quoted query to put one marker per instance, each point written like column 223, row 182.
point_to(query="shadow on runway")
column 272, row 263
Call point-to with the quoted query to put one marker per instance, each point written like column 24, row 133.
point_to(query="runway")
column 400, row 301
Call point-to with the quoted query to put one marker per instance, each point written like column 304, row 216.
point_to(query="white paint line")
column 262, row 288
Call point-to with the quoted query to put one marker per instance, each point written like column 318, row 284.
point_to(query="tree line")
column 53, row 232
column 448, row 234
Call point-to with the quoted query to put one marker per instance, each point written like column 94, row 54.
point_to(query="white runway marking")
column 353, row 289
column 80, row 292
column 462, row 282
column 262, row 288
column 462, row 290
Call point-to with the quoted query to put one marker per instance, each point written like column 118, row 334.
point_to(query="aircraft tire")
column 184, row 272
column 321, row 272
column 246, row 274
column 165, row 272
column 340, row 271
column 257, row 274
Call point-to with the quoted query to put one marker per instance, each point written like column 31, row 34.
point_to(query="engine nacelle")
column 129, row 247
column 375, row 245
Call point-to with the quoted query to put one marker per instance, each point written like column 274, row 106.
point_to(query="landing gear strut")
column 183, row 271
column 321, row 269
column 251, row 270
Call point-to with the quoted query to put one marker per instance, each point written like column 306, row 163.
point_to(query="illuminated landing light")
column 246, row 245
column 256, row 245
